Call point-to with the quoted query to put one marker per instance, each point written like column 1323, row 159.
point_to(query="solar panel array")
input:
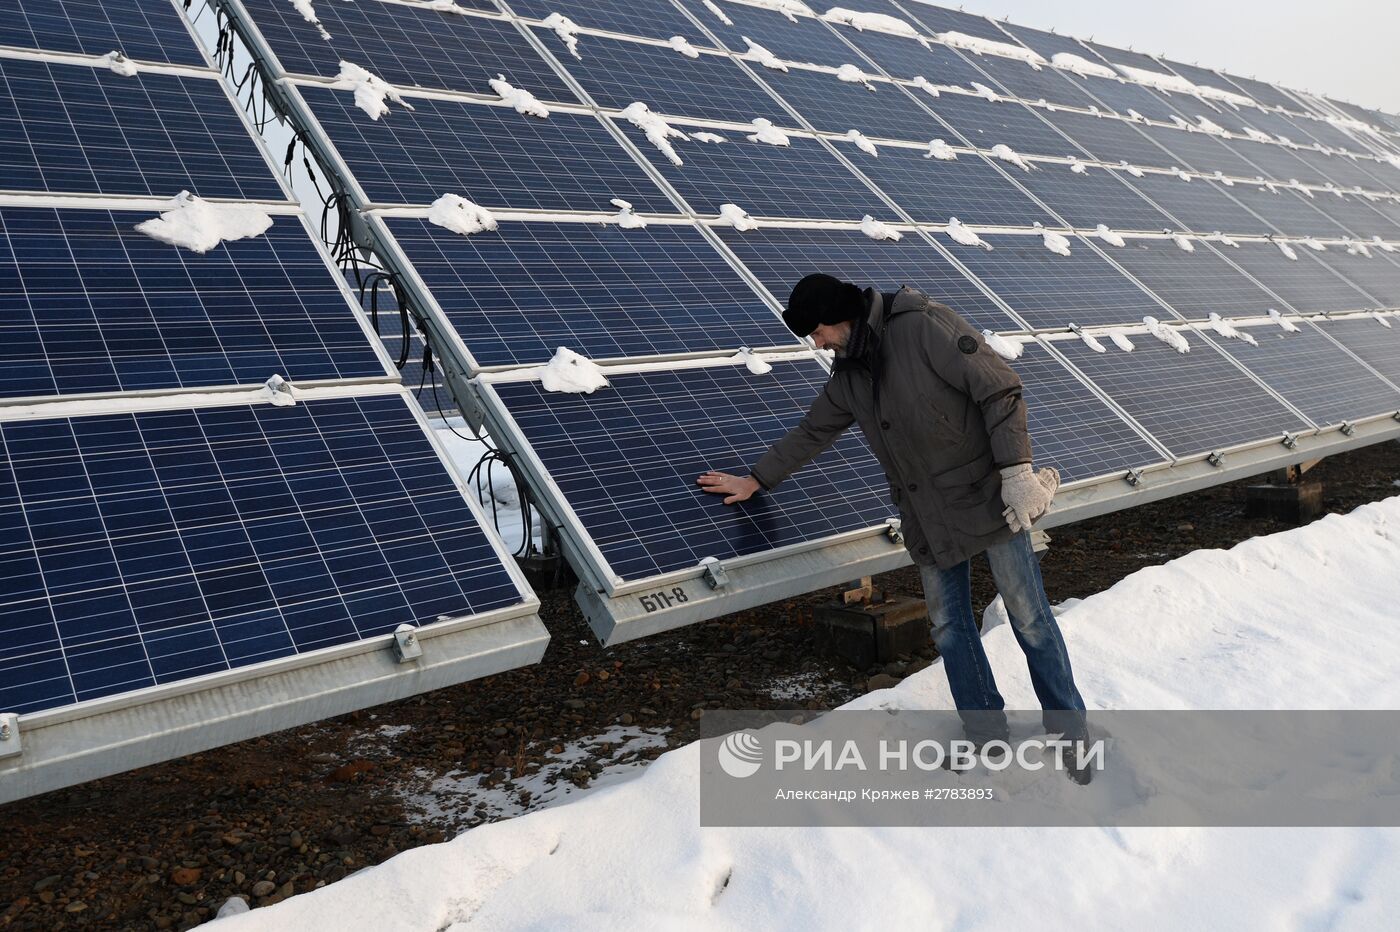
column 1180, row 194
column 149, row 536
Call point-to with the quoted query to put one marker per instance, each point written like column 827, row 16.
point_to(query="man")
column 944, row 415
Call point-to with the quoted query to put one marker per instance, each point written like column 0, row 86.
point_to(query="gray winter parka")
column 950, row 416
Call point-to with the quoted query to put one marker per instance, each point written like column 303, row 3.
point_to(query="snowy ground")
column 1304, row 619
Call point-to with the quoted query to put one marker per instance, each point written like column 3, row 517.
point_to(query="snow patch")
column 1210, row 126
column 119, row 64
column 755, row 363
column 658, row 132
column 1168, row 335
column 1092, row 343
column 371, row 92
column 233, row 906
column 1282, row 321
column 862, row 143
column 938, row 149
column 1257, row 136
column 1181, row 173
column 853, row 75
column 1077, row 166
column 737, row 217
column 1381, row 318
column 279, row 392
column 1356, row 247
column 569, row 372
column 624, row 217
column 1183, row 242
column 1220, row 177
column 1131, row 169
column 1224, row 239
column 1120, row 339
column 308, row 12
column 962, row 234
column 1165, row 82
column 445, row 6
column 877, row 229
column 767, row 132
column 1228, row 330
column 1286, row 249
column 1007, row 154
column 703, row 136
column 985, row 92
column 1054, row 242
column 1382, row 244
column 980, row 46
column 925, row 85
column 789, row 8
column 875, row 22
column 761, row 55
column 1081, row 66
column 682, row 44
column 1135, row 116
column 525, row 103
column 195, row 224
column 1108, row 236
column 1316, row 245
column 456, row 213
column 1230, row 97
column 1006, row 349
column 709, row 5
column 567, row 31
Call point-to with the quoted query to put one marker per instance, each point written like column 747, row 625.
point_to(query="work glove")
column 1027, row 494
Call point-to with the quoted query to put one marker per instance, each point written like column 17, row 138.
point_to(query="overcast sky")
column 1349, row 49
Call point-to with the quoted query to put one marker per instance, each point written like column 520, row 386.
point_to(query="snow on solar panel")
column 802, row 39
column 655, row 19
column 517, row 294
column 142, row 549
column 90, row 304
column 1021, row 80
column 75, row 129
column 625, row 459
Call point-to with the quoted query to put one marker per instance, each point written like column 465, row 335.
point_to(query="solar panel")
column 1110, row 140
column 140, row 29
column 1276, row 124
column 938, row 19
column 146, row 548
column 74, row 129
column 1346, row 172
column 1379, row 346
column 1194, row 283
column 1325, row 133
column 800, row 39
column 625, row 460
column 1199, row 205
column 1285, row 210
column 1120, row 97
column 488, row 154
column 1199, row 151
column 1019, row 79
column 1314, row 374
column 1096, row 195
column 780, row 257
column 1070, row 427
column 518, row 294
column 1120, row 56
column 656, row 19
column 802, row 179
column 1263, row 92
column 837, row 106
column 1047, row 44
column 406, row 45
column 1192, row 402
column 1050, row 290
column 904, row 57
column 92, row 305
column 969, row 188
column 986, row 124
column 616, row 72
column 1377, row 274
column 1274, row 161
column 1364, row 218
column 1304, row 283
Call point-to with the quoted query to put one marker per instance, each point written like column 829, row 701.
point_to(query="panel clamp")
column 406, row 646
column 1348, row 428
column 1289, row 440
column 1215, row 458
column 894, row 530
column 1396, row 415
column 9, row 735
column 714, row 573
column 1133, row 476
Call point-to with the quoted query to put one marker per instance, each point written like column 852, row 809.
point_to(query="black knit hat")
column 822, row 299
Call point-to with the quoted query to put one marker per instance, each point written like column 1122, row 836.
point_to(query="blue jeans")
column 1017, row 575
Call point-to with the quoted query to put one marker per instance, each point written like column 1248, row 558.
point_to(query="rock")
column 499, row 732
column 582, row 678
column 881, row 681
column 349, row 771
column 46, row 897
column 379, row 831
column 263, row 887
column 575, row 704
column 184, row 876
column 697, row 714
column 916, row 665
column 47, row 882
column 603, row 675
column 189, row 899
column 1114, row 533
column 1186, row 527
column 645, row 711
column 295, row 839
column 163, row 922
column 625, row 718
column 76, row 906
column 286, row 889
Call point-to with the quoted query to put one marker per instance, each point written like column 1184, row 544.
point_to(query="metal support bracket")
column 1133, row 477
column 1289, row 440
column 10, row 745
column 1216, row 458
column 714, row 573
column 406, row 646
column 1348, row 428
column 1396, row 415
column 894, row 530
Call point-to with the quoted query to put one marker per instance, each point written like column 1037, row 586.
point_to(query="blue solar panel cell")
column 143, row 549
column 518, row 294
column 1194, row 283
column 986, row 124
column 625, row 459
column 1199, row 151
column 1110, row 140
column 407, row 45
column 1120, row 97
column 1286, row 211
column 800, row 180
column 838, row 106
column 1303, row 282
column 1378, row 345
column 1199, row 205
column 1267, row 94
column 616, row 72
column 1314, row 374
column 969, row 188
column 73, row 129
column 1048, row 44
column 89, row 304
column 1019, row 79
column 653, row 19
column 1192, row 402
column 492, row 155
column 799, row 38
column 1050, row 290
column 1120, row 56
column 779, row 258
column 140, row 29
column 904, row 57
column 1070, row 427
column 1364, row 218
column 1094, row 196
column 936, row 19
column 1377, row 274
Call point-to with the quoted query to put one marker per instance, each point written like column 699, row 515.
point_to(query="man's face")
column 832, row 336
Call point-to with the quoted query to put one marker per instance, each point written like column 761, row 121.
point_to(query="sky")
column 1345, row 48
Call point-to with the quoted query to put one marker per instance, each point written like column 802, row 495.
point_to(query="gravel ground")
column 163, row 847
